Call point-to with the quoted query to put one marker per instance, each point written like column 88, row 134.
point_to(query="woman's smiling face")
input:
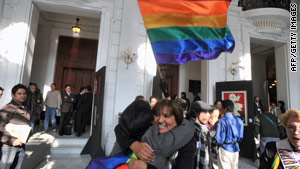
column 166, row 121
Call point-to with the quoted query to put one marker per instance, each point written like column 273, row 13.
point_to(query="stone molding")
column 268, row 20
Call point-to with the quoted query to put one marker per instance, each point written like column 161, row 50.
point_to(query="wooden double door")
column 75, row 63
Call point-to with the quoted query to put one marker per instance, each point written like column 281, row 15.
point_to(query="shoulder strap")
column 270, row 120
column 276, row 161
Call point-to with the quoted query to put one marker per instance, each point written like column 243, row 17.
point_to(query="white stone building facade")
column 119, row 25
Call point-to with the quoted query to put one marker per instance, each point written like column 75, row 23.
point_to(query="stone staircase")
column 67, row 146
column 51, row 151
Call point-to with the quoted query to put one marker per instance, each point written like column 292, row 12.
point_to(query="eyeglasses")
column 292, row 128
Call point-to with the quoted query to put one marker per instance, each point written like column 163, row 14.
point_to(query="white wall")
column 1, row 11
column 33, row 27
column 13, row 44
column 41, row 53
column 258, row 75
column 189, row 71
column 282, row 77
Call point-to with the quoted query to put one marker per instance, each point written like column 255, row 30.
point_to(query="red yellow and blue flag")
column 187, row 30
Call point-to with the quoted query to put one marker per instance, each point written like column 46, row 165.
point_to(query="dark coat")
column 85, row 102
column 67, row 102
column 84, row 106
column 32, row 105
column 77, row 98
column 255, row 108
column 267, row 157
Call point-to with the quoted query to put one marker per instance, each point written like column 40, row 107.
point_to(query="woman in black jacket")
column 33, row 103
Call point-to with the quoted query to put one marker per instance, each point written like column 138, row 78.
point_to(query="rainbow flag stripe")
column 187, row 30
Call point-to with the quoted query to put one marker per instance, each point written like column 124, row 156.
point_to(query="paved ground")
column 65, row 162
column 82, row 161
column 245, row 163
column 72, row 161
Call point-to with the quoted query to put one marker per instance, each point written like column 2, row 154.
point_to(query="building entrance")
column 76, row 62
column 170, row 73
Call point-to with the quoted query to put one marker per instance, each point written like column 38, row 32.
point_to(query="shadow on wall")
column 37, row 149
column 9, row 76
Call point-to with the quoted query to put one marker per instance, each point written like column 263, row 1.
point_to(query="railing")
column 254, row 4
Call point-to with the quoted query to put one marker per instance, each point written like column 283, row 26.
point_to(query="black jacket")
column 267, row 157
column 256, row 107
column 32, row 105
column 85, row 103
column 77, row 98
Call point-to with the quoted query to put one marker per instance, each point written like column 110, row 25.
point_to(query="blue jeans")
column 50, row 112
column 32, row 122
column 9, row 154
column 264, row 140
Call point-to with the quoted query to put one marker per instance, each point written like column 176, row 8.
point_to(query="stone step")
column 69, row 142
column 66, row 150
column 65, row 162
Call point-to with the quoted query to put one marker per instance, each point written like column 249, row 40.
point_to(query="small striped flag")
column 187, row 30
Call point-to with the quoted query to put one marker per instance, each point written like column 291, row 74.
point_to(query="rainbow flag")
column 187, row 30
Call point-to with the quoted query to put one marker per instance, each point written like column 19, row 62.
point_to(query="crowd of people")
column 172, row 133
column 169, row 133
column 268, row 127
column 25, row 111
column 161, row 133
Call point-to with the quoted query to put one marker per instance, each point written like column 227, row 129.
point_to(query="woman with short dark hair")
column 170, row 132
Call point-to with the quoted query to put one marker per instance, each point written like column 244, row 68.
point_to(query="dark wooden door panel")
column 170, row 73
column 87, row 78
column 77, row 78
column 76, row 62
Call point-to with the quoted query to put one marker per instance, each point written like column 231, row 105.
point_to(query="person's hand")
column 17, row 142
column 58, row 109
column 143, row 151
column 137, row 164
column 38, row 101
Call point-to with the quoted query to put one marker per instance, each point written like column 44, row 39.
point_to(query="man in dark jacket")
column 13, row 114
column 84, row 110
column 257, row 106
column 188, row 103
column 201, row 110
column 66, row 109
column 269, row 128
column 77, row 98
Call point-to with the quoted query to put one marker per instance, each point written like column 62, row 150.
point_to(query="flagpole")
column 159, row 71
